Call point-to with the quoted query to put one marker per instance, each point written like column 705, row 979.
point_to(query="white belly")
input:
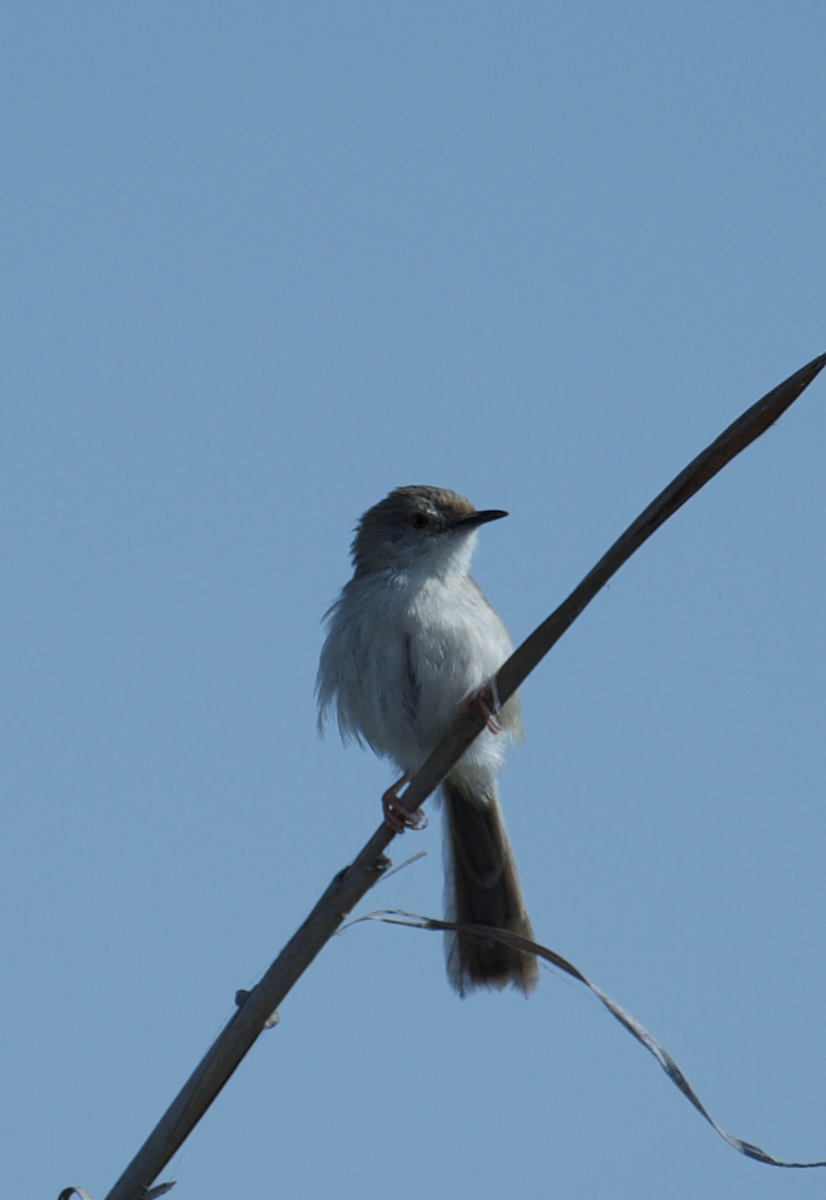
column 402, row 654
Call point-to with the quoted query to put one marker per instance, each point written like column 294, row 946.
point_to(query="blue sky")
column 260, row 264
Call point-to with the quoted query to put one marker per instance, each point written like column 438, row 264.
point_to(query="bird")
column 410, row 640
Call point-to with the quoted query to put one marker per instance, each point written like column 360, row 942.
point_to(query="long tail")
column 482, row 887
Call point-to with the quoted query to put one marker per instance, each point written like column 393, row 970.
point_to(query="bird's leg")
column 488, row 705
column 395, row 814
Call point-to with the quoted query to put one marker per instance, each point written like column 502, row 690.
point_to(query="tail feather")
column 483, row 888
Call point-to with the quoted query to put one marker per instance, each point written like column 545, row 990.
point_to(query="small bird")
column 410, row 639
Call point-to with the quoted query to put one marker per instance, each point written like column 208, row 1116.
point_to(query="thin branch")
column 506, row 937
column 351, row 884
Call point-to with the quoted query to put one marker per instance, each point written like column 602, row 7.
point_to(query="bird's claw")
column 396, row 815
column 485, row 699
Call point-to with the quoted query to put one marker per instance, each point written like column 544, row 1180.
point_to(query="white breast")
column 401, row 654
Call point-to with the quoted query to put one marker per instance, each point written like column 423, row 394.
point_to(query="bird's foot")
column 395, row 814
column 486, row 701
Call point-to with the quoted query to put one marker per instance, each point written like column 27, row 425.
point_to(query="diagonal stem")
column 351, row 884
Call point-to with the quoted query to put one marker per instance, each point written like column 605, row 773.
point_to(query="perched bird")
column 410, row 639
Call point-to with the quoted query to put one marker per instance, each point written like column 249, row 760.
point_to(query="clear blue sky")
column 262, row 262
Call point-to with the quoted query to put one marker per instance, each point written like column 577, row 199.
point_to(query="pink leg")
column 485, row 698
column 395, row 814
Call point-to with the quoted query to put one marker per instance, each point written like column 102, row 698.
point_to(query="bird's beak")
column 477, row 518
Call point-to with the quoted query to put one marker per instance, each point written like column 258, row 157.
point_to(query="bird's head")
column 419, row 526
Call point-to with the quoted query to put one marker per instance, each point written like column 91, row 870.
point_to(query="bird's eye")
column 419, row 520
